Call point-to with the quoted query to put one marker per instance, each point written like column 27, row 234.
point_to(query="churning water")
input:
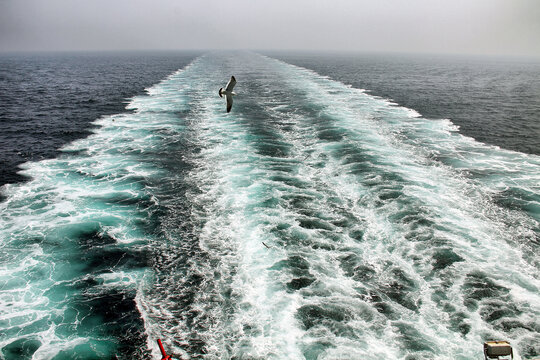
column 315, row 221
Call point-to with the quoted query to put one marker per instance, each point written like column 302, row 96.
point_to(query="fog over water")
column 479, row 27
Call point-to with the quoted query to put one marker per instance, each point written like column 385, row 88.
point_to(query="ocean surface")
column 50, row 99
column 349, row 207
column 495, row 100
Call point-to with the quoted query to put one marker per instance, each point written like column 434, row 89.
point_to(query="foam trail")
column 74, row 243
column 383, row 242
column 312, row 222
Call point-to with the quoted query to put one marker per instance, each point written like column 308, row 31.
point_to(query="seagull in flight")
column 228, row 92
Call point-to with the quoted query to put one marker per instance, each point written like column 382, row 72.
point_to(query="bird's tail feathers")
column 220, row 92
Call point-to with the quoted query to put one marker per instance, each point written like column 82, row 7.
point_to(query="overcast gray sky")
column 507, row 27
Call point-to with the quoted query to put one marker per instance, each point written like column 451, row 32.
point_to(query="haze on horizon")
column 491, row 27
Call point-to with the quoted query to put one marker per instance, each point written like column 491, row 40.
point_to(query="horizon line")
column 284, row 50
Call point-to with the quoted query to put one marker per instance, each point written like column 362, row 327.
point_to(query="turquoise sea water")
column 315, row 221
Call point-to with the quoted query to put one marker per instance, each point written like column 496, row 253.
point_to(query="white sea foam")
column 96, row 186
column 363, row 236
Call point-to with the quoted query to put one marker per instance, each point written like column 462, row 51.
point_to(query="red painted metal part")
column 163, row 353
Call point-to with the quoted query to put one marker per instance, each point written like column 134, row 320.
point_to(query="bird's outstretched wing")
column 230, row 84
column 229, row 102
